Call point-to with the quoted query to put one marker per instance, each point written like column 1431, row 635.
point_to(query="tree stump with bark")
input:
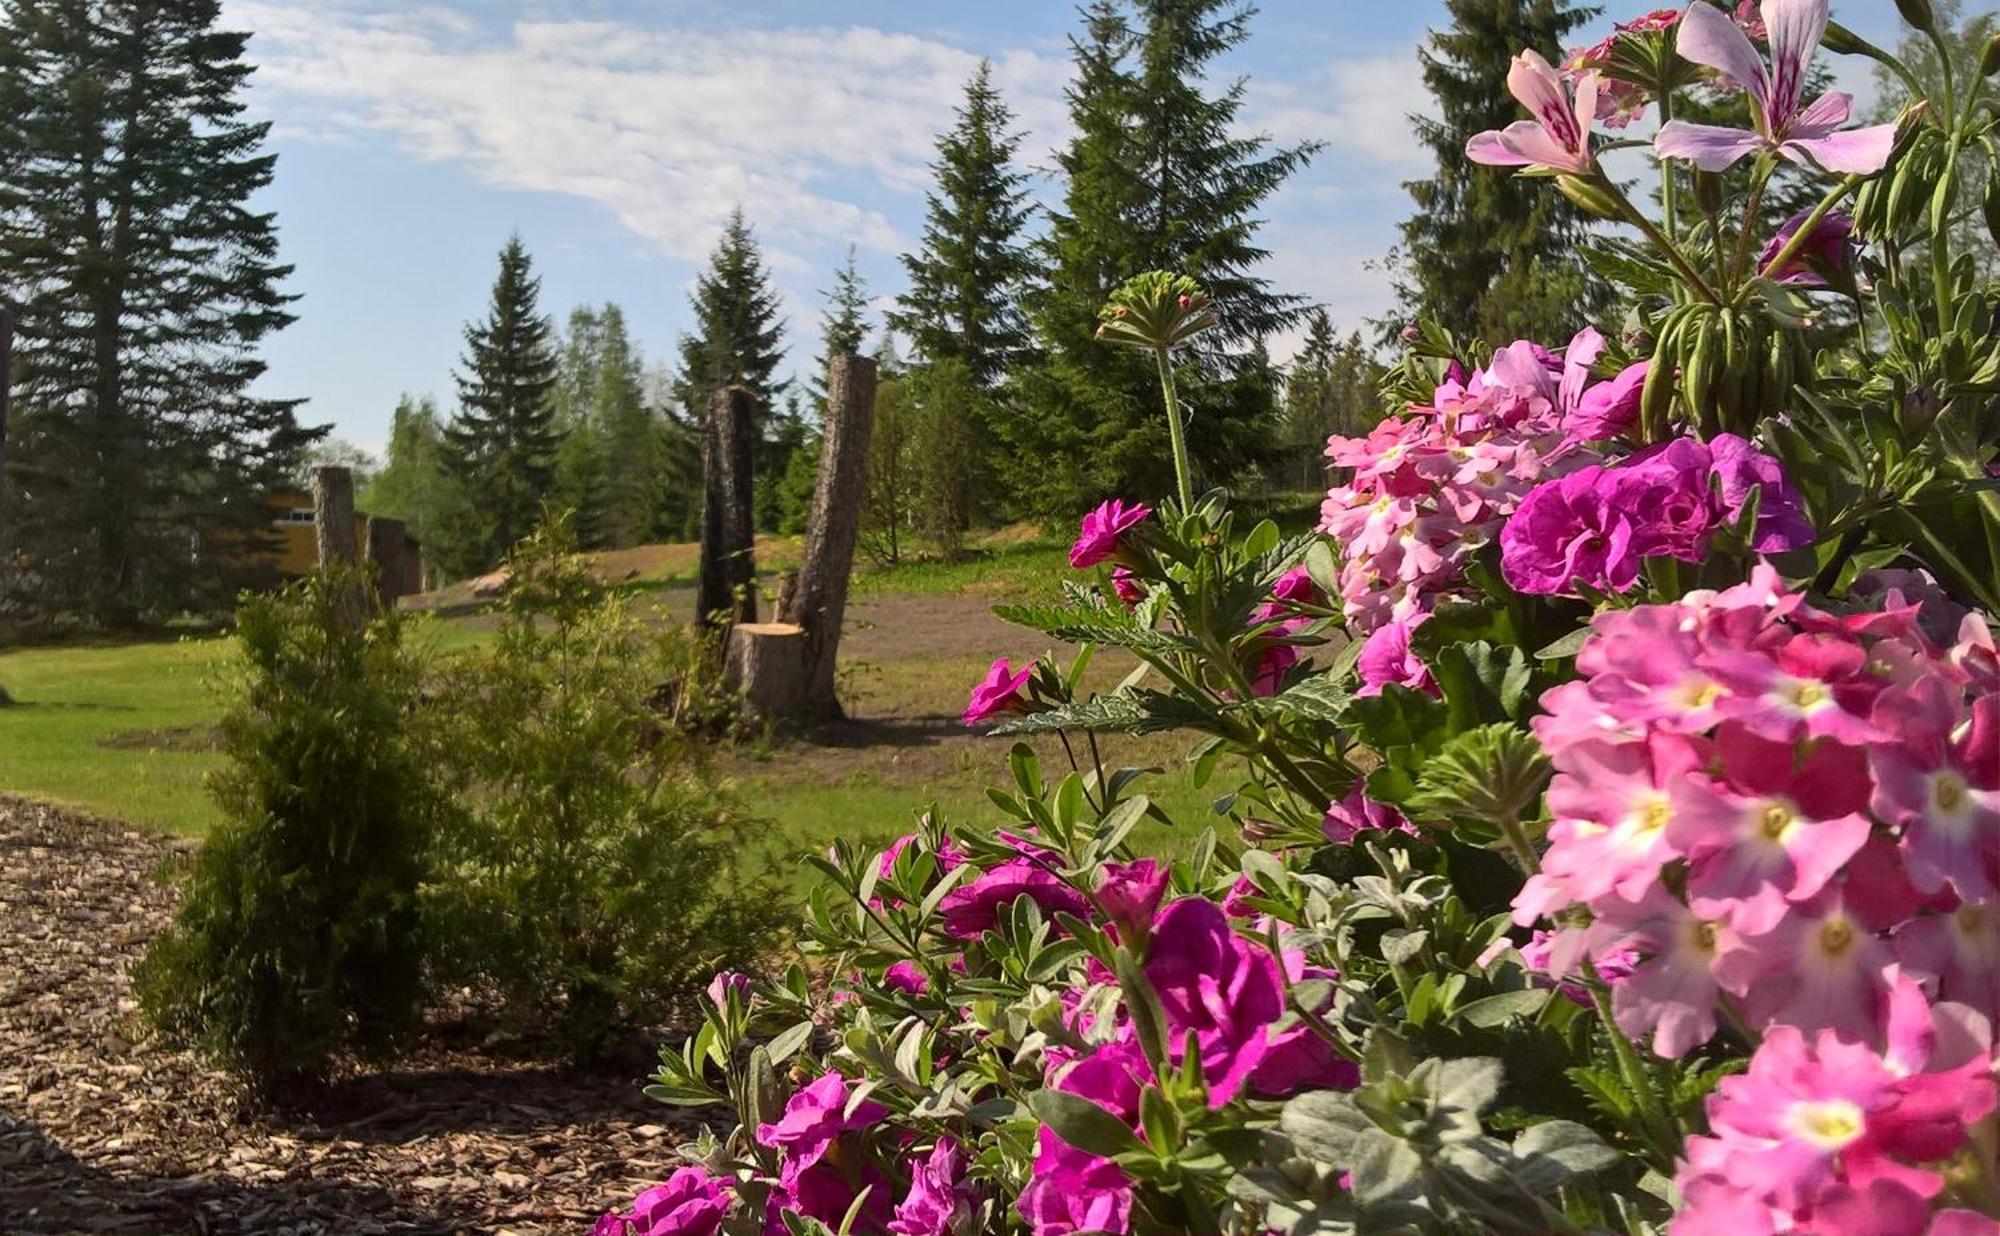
column 728, row 567
column 766, row 662
column 819, row 601
column 339, row 548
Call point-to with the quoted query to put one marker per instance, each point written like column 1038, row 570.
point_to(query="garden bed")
column 104, row 1131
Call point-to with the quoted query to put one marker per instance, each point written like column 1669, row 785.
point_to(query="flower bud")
column 1590, row 198
column 1989, row 60
column 1708, row 191
column 1411, row 333
column 1844, row 42
column 1917, row 12
column 1184, row 301
column 1920, row 408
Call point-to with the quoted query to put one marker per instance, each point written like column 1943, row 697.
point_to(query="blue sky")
column 615, row 134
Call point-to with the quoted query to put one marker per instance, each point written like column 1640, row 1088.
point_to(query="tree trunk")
column 333, row 524
column 728, row 570
column 819, row 602
column 398, row 569
column 766, row 662
column 6, row 377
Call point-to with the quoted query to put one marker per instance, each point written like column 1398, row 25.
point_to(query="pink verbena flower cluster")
column 1780, row 809
column 1837, row 1139
column 1427, row 490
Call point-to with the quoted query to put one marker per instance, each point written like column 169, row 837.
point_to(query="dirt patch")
column 922, row 627
column 102, row 1130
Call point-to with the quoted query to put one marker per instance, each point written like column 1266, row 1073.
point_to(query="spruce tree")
column 737, row 329
column 1330, row 389
column 145, row 282
column 963, row 301
column 502, row 444
column 843, row 326
column 415, row 485
column 1489, row 254
column 1157, row 178
column 629, row 441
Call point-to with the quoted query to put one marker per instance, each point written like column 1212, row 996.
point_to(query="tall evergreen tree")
column 737, row 329
column 144, row 284
column 628, row 435
column 502, row 444
column 1489, row 254
column 963, row 300
column 843, row 328
column 1157, row 178
column 1329, row 389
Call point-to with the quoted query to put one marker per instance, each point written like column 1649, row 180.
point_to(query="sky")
column 615, row 136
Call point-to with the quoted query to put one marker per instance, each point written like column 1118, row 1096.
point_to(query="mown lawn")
column 128, row 730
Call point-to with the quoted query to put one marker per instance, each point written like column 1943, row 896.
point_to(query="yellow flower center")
column 1654, row 815
column 1948, row 792
column 1703, row 937
column 1835, row 937
column 1701, row 692
column 1828, row 1123
column 1809, row 694
column 1971, row 918
column 1776, row 821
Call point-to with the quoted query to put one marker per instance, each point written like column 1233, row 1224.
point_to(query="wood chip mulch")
column 102, row 1130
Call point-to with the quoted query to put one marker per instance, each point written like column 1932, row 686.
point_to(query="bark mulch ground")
column 102, row 1130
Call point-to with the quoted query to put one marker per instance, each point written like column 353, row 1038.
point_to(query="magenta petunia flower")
column 1559, row 135
column 814, row 1119
column 1386, row 658
column 727, row 983
column 692, row 1202
column 1131, row 894
column 1072, row 1190
column 1098, row 539
column 1569, row 532
column 1218, row 985
column 939, row 1201
column 1127, row 586
column 1349, row 817
column 1827, row 256
column 907, row 977
column 1784, row 124
column 1607, row 409
column 998, row 692
column 969, row 910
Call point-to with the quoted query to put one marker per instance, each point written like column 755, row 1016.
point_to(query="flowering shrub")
column 1614, row 835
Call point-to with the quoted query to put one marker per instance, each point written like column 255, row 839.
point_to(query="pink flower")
column 1569, row 532
column 814, row 1119
column 1608, row 409
column 691, row 1203
column 1957, row 953
column 1614, row 808
column 1559, row 135
column 825, row 1193
column 1386, row 658
column 1127, row 586
column 1941, row 783
column 971, row 909
column 1774, row 832
column 1805, row 133
column 1098, row 539
column 1820, row 968
column 1357, row 813
column 999, row 692
column 1670, row 994
column 1830, row 1137
column 1827, row 255
column 938, row 1200
column 1072, row 1190
column 1131, row 893
column 1218, row 985
column 727, row 983
column 907, row 977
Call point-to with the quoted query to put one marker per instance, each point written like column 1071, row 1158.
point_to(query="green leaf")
column 1490, row 1012
column 1320, row 697
column 1399, row 717
column 1122, row 712
column 1564, row 648
column 1489, row 776
column 1082, row 624
column 1384, row 1168
column 1323, row 1125
column 1084, row 1125
column 1549, row 1154
column 1469, row 1084
column 1483, row 683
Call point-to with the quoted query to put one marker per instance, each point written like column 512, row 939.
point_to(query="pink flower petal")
column 1708, row 37
column 1712, row 148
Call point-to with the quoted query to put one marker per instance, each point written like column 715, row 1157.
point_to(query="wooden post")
column 397, row 572
column 819, row 602
column 728, row 568
column 333, row 524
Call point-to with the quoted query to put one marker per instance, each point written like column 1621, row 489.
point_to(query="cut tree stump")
column 728, row 569
column 333, row 524
column 766, row 662
column 819, row 601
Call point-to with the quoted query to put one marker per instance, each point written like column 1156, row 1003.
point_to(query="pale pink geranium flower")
column 1559, row 135
column 1774, row 832
column 1804, row 133
column 1958, row 952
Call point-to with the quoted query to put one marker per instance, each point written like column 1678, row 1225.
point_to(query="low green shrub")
column 596, row 875
column 298, row 938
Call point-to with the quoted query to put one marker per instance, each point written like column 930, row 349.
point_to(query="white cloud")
column 1360, row 106
column 666, row 128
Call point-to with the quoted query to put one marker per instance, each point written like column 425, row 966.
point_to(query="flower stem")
column 1667, row 196
column 1668, row 249
column 1174, row 432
